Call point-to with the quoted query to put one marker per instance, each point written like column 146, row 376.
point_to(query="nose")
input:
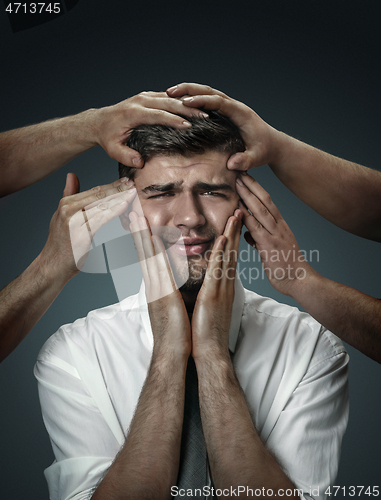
column 188, row 212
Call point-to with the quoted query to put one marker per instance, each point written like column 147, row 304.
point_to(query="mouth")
column 191, row 246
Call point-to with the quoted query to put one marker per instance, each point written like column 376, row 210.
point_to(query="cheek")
column 217, row 216
column 156, row 215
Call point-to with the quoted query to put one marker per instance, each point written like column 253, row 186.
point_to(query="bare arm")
column 343, row 192
column 29, row 154
column 25, row 299
column 147, row 466
column 350, row 314
column 236, row 453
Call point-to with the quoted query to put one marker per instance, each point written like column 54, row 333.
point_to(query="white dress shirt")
column 293, row 372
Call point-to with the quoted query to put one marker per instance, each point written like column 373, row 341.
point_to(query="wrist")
column 214, row 365
column 281, row 146
column 47, row 269
column 89, row 125
column 305, row 285
column 212, row 353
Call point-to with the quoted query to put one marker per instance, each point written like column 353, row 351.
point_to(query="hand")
column 260, row 139
column 114, row 123
column 169, row 318
column 269, row 233
column 78, row 218
column 213, row 309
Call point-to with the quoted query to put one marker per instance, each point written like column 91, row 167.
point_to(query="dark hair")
column 216, row 133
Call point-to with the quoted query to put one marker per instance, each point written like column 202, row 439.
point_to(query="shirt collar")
column 239, row 299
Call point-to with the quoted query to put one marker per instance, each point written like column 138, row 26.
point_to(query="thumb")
column 125, row 155
column 72, row 185
column 244, row 161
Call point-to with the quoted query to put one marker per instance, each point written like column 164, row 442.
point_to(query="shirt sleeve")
column 306, row 439
column 83, row 443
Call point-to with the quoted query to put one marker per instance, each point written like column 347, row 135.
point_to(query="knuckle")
column 63, row 210
column 267, row 199
column 263, row 211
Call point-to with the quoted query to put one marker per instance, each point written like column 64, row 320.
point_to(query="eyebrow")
column 161, row 188
column 204, row 186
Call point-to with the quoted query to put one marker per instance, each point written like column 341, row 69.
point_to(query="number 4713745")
column 33, row 8
column 352, row 491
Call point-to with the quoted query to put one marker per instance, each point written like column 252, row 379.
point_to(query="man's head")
column 185, row 184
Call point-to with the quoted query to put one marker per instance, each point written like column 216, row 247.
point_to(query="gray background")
column 309, row 68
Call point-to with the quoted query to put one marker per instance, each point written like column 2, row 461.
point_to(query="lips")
column 191, row 246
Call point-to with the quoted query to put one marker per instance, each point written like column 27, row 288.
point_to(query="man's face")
column 196, row 195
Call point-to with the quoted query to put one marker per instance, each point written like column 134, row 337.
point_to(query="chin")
column 190, row 275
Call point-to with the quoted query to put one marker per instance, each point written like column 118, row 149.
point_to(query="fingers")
column 153, row 259
column 245, row 161
column 169, row 105
column 214, row 269
column 163, row 266
column 136, row 234
column 232, row 233
column 102, row 212
column 258, row 201
column 192, row 89
column 223, row 260
column 76, row 202
column 213, row 102
column 72, row 185
column 125, row 155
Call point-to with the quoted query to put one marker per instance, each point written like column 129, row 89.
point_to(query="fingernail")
column 130, row 184
column 188, row 99
column 204, row 115
column 172, row 89
column 187, row 124
column 124, row 179
column 239, row 182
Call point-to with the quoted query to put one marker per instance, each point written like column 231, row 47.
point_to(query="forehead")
column 208, row 167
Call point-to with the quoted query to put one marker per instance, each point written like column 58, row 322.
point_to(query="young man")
column 272, row 383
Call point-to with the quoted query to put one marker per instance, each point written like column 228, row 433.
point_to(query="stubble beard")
column 188, row 272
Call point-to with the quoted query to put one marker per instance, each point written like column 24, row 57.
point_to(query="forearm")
column 236, row 453
column 147, row 465
column 29, row 154
column 345, row 193
column 25, row 300
column 352, row 315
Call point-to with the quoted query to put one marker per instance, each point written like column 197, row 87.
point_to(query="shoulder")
column 289, row 326
column 99, row 325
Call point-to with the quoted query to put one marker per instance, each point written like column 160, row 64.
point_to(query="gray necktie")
column 193, row 458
